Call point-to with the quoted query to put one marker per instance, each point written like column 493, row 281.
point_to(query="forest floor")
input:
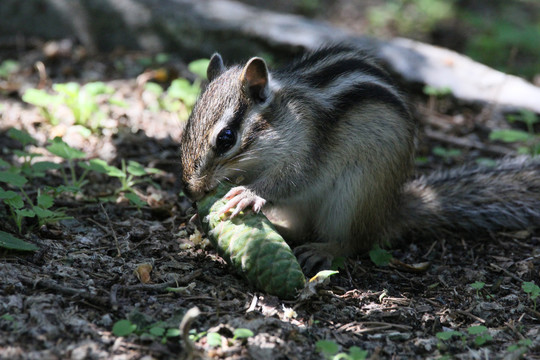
column 114, row 259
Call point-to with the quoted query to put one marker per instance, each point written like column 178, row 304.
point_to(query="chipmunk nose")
column 192, row 194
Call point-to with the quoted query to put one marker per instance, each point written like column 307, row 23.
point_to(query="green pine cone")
column 251, row 244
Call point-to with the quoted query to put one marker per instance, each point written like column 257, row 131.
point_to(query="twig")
column 152, row 287
column 513, row 276
column 112, row 230
column 468, row 314
column 185, row 325
column 372, row 326
column 468, row 143
column 52, row 285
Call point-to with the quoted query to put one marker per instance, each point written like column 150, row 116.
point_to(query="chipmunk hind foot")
column 314, row 257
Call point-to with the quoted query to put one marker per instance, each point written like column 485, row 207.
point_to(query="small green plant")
column 198, row 67
column 447, row 335
column 45, row 102
column 242, row 333
column 480, row 333
column 446, row 154
column 380, row 257
column 21, row 206
column 477, row 285
column 129, row 175
column 530, row 139
column 59, row 148
column 123, row 327
column 532, row 290
column 82, row 101
column 213, row 339
column 8, row 67
column 521, row 347
column 330, row 349
column 181, row 95
column 154, row 331
column 19, row 202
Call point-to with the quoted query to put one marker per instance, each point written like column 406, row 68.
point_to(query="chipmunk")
column 325, row 148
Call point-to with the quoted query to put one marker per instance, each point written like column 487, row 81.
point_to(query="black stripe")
column 323, row 77
column 239, row 114
column 313, row 58
column 367, row 91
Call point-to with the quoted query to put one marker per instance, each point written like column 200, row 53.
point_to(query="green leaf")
column 162, row 58
column 70, row 89
column 436, row 91
column 135, row 199
column 11, row 242
column 98, row 88
column 446, row 335
column 476, row 330
column 43, row 213
column 510, row 135
column 39, row 98
column 102, row 167
column 213, row 339
column 45, row 200
column 8, row 194
column 327, row 347
column 153, row 88
column 531, row 288
column 8, row 67
column 198, row 67
column 482, row 339
column 7, row 317
column 25, row 213
column 4, row 164
column 13, row 179
column 12, row 199
column 528, row 286
column 357, row 353
column 21, row 136
column 242, row 333
column 123, row 328
column 380, row 257
column 135, row 169
column 157, row 331
column 172, row 332
column 446, row 153
column 83, row 130
column 183, row 90
column 38, row 168
column 118, row 102
column 60, row 148
column 22, row 153
column 477, row 285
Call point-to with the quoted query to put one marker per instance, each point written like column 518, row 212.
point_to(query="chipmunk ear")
column 255, row 80
column 215, row 67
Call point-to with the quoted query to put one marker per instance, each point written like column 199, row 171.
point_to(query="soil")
column 91, row 270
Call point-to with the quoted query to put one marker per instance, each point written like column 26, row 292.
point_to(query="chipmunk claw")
column 313, row 258
column 240, row 199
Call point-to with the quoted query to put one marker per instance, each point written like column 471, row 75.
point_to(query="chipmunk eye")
column 225, row 140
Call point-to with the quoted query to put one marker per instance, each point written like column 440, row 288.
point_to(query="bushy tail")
column 473, row 199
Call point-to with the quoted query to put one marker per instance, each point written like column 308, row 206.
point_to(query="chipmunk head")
column 224, row 125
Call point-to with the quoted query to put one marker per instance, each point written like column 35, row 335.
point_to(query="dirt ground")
column 62, row 301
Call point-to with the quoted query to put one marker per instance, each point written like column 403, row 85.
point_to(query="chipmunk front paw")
column 241, row 198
